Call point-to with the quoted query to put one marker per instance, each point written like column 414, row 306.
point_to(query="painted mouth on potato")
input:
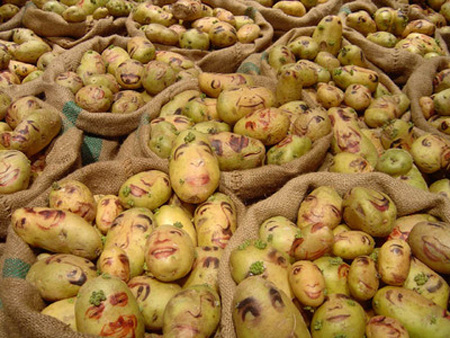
column 313, row 295
column 221, row 241
column 338, row 318
column 163, row 252
column 198, row 181
column 185, row 328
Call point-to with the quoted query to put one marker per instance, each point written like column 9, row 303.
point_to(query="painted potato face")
column 307, row 283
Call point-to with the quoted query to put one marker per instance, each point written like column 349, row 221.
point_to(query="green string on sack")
column 15, row 268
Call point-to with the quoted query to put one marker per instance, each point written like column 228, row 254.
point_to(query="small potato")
column 363, row 278
column 348, row 75
column 279, row 56
column 129, row 74
column 304, row 47
column 176, row 216
column 294, row 8
column 73, row 196
column 94, row 98
column 206, row 267
column 176, row 104
column 352, row 55
column 157, row 77
column 158, row 33
column 162, row 136
column 222, row 35
column 187, row 10
column 194, row 38
column 54, row 6
column 115, row 262
column 248, row 33
column 70, row 80
column 335, row 272
column 348, row 163
column 269, row 125
column 288, row 149
column 431, row 153
column 327, row 60
column 212, row 84
column 180, row 122
column 113, row 56
column 148, row 189
column 15, row 171
column 176, row 61
column 384, row 39
column 328, row 34
column 146, row 13
column 141, row 49
column 313, row 123
column 91, row 63
column 30, row 51
column 45, row 59
column 404, row 225
column 362, row 22
column 358, row 97
column 118, row 8
column 20, row 109
column 385, row 327
column 280, row 232
column 308, row 283
column 108, row 208
column 103, row 80
column 212, row 127
column 33, row 76
column 8, row 78
column 169, row 253
column 127, row 102
column 21, row 69
column 63, row 310
column 351, row 244
column 312, row 242
column 329, row 96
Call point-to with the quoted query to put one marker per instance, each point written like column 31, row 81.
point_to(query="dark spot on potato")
column 248, row 305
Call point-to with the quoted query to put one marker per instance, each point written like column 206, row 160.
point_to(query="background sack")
column 286, row 202
column 66, row 34
column 224, row 60
column 14, row 22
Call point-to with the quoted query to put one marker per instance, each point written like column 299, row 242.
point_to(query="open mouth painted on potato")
column 220, row 241
column 161, row 253
column 186, row 328
column 313, row 295
column 198, row 181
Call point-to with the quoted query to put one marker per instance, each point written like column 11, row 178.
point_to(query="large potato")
column 15, row 171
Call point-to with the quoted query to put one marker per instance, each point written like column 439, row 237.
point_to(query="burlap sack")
column 14, row 22
column 63, row 157
column 57, row 30
column 21, row 300
column 282, row 22
column 247, row 184
column 421, row 84
column 287, row 200
column 224, row 60
column 397, row 63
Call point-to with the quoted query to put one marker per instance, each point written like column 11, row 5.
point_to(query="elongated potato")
column 15, row 171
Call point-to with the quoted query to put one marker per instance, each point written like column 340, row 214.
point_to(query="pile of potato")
column 296, row 8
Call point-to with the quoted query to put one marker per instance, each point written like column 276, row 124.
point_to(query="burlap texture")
column 21, row 300
column 283, row 23
column 421, row 84
column 397, row 63
column 287, row 200
column 14, row 22
column 247, row 184
column 224, row 60
column 63, row 156
column 57, row 30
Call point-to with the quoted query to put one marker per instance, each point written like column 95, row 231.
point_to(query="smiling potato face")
column 169, row 253
column 307, row 282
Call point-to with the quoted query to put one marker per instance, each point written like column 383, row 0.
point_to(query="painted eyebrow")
column 175, row 154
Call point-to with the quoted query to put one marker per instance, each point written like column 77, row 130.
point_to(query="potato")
column 205, row 269
column 15, row 171
column 63, row 310
column 176, row 216
column 115, row 262
column 404, row 225
column 312, row 242
column 113, row 56
column 160, row 34
column 335, row 272
column 280, row 232
column 141, row 49
column 222, row 35
column 20, row 109
column 129, row 74
column 177, row 103
column 30, row 51
column 385, row 327
column 363, row 278
column 194, row 38
column 42, row 227
column 288, row 149
column 146, row 13
column 348, row 163
column 94, row 98
column 70, row 80
column 279, row 56
column 308, row 283
column 157, row 77
column 91, row 63
column 314, row 123
column 127, row 102
column 431, row 153
column 212, row 84
column 105, row 306
column 362, row 22
column 348, row 75
column 351, row 244
column 248, row 33
column 394, row 261
column 328, row 34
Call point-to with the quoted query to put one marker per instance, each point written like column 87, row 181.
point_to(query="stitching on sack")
column 15, row 268
column 128, row 167
column 396, row 59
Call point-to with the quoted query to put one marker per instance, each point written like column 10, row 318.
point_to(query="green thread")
column 71, row 112
column 249, row 68
column 91, row 149
column 15, row 268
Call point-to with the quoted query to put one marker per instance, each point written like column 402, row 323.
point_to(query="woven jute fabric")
column 247, row 184
column 224, row 60
column 282, row 22
column 287, row 200
column 421, row 84
column 21, row 300
column 67, row 34
column 399, row 64
column 14, row 22
column 63, row 157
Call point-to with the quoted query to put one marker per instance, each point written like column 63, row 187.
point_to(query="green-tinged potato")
column 20, row 109
column 129, row 232
column 363, row 278
column 5, row 102
column 329, row 96
column 384, row 39
column 158, row 33
column 152, row 297
column 335, row 272
column 313, row 123
column 169, row 253
column 177, row 103
column 15, row 171
column 441, row 101
column 5, row 59
column 188, row 10
column 141, row 49
column 212, row 127
column 215, row 221
column 441, row 123
column 258, row 304
column 63, row 310
column 234, row 104
column 108, row 208
column 358, row 97
column 420, row 316
column 146, row 97
column 148, row 189
column 348, row 75
column 248, row 33
column 100, row 13
column 351, row 55
column 290, row 83
column 304, row 47
column 269, row 125
column 338, row 316
column 194, row 38
column 54, row 6
column 60, row 276
column 279, row 56
column 73, row 196
column 385, row 327
column 393, row 261
column 115, row 262
column 312, row 242
column 349, row 163
column 309, row 72
column 419, row 26
column 33, row 133
column 404, row 225
column 397, row 134
column 127, row 102
column 395, row 161
column 441, row 187
column 8, row 78
column 441, row 81
column 205, row 23
column 384, row 18
column 297, row 107
column 293, row 8
column 30, row 51
column 351, row 244
column 162, row 136
column 105, row 306
column 322, row 206
column 279, row 232
column 129, row 74
column 157, row 76
column 118, row 8
column 222, row 35
column 327, row 60
column 21, row 35
column 177, row 61
column 374, row 135
column 431, row 153
column 146, row 13
column 212, row 84
column 8, row 11
column 176, row 216
column 199, row 299
column 4, row 127
column 237, row 152
column 206, row 268
column 429, row 243
column 362, row 22
column 308, row 283
column 328, row 34
column 369, row 210
column 241, row 20
column 33, row 76
column 414, row 178
column 94, row 98
column 180, row 122
column 113, row 56
column 288, row 149
column 197, row 110
column 70, row 80
column 193, row 167
column 88, row 6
